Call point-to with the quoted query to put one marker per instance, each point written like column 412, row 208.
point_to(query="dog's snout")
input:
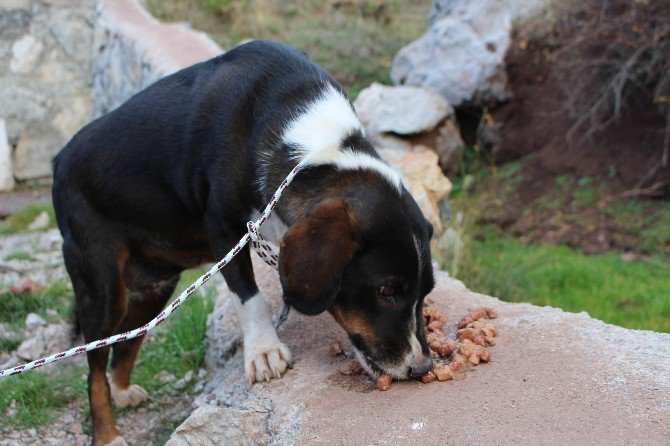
column 420, row 369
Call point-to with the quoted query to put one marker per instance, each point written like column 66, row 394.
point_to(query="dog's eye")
column 387, row 293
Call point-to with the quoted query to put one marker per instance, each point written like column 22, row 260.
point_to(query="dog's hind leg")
column 142, row 307
column 100, row 299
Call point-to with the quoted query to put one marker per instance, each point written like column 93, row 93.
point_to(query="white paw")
column 118, row 441
column 130, row 397
column 265, row 359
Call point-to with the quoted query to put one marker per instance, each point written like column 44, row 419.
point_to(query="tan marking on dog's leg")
column 105, row 432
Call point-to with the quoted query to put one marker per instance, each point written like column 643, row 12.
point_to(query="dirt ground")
column 535, row 121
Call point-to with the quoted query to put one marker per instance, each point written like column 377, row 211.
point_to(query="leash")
column 252, row 236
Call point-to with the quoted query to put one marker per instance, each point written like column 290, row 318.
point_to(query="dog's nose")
column 418, row 370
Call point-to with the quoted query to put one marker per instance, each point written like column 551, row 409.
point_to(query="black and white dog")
column 168, row 181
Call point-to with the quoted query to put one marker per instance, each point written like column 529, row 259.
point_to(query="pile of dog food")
column 452, row 357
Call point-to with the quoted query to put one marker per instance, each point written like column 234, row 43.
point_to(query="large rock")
column 400, row 110
column 554, row 378
column 401, row 118
column 45, row 71
column 133, row 49
column 462, row 53
column 6, row 176
column 45, row 340
column 424, row 179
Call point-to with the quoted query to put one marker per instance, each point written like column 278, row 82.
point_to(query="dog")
column 168, row 180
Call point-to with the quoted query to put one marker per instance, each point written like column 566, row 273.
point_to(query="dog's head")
column 366, row 259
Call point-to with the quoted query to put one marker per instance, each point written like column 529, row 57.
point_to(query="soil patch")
column 536, row 121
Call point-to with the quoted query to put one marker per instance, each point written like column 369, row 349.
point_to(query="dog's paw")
column 118, row 441
column 265, row 359
column 130, row 397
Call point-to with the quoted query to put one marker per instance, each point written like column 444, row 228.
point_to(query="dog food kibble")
column 428, row 378
column 452, row 357
column 443, row 372
column 476, row 314
column 384, row 382
column 435, row 326
column 475, row 333
column 335, row 349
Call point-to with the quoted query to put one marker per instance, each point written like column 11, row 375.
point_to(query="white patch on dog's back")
column 318, row 131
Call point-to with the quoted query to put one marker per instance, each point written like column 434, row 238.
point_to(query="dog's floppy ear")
column 313, row 255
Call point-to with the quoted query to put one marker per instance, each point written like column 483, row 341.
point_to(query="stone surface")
column 40, row 222
column 45, row 340
column 46, row 73
column 63, row 62
column 34, row 320
column 424, row 179
column 555, row 378
column 44, row 264
column 132, row 50
column 6, row 175
column 462, row 53
column 25, row 53
column 401, row 118
column 401, row 110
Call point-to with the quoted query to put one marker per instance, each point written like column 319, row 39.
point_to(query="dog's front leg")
column 265, row 356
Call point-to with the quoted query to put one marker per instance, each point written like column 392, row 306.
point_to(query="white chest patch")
column 318, row 131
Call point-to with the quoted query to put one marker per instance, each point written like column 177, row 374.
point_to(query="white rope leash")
column 259, row 244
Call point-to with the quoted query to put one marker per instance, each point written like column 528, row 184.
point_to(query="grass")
column 630, row 294
column 353, row 40
column 15, row 307
column 20, row 256
column 19, row 221
column 492, row 258
column 176, row 347
column 36, row 395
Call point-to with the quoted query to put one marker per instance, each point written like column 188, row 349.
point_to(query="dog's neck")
column 338, row 159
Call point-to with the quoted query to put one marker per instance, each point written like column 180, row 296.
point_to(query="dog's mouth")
column 368, row 363
column 374, row 367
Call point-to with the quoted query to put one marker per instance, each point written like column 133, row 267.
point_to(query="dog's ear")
column 313, row 255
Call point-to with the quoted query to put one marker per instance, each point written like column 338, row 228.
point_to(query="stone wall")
column 46, row 78
column 132, row 50
column 63, row 62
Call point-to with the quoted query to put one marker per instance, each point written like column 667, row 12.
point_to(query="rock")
column 25, row 53
column 132, row 50
column 401, row 110
column 425, row 180
column 554, row 378
column 40, row 222
column 185, row 381
column 462, row 54
column 31, row 349
column 6, row 176
column 46, row 341
column 405, row 117
column 34, row 320
column 5, row 333
column 212, row 426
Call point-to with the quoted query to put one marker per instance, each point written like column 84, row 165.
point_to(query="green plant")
column 19, row 255
column 630, row 294
column 19, row 221
column 15, row 307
